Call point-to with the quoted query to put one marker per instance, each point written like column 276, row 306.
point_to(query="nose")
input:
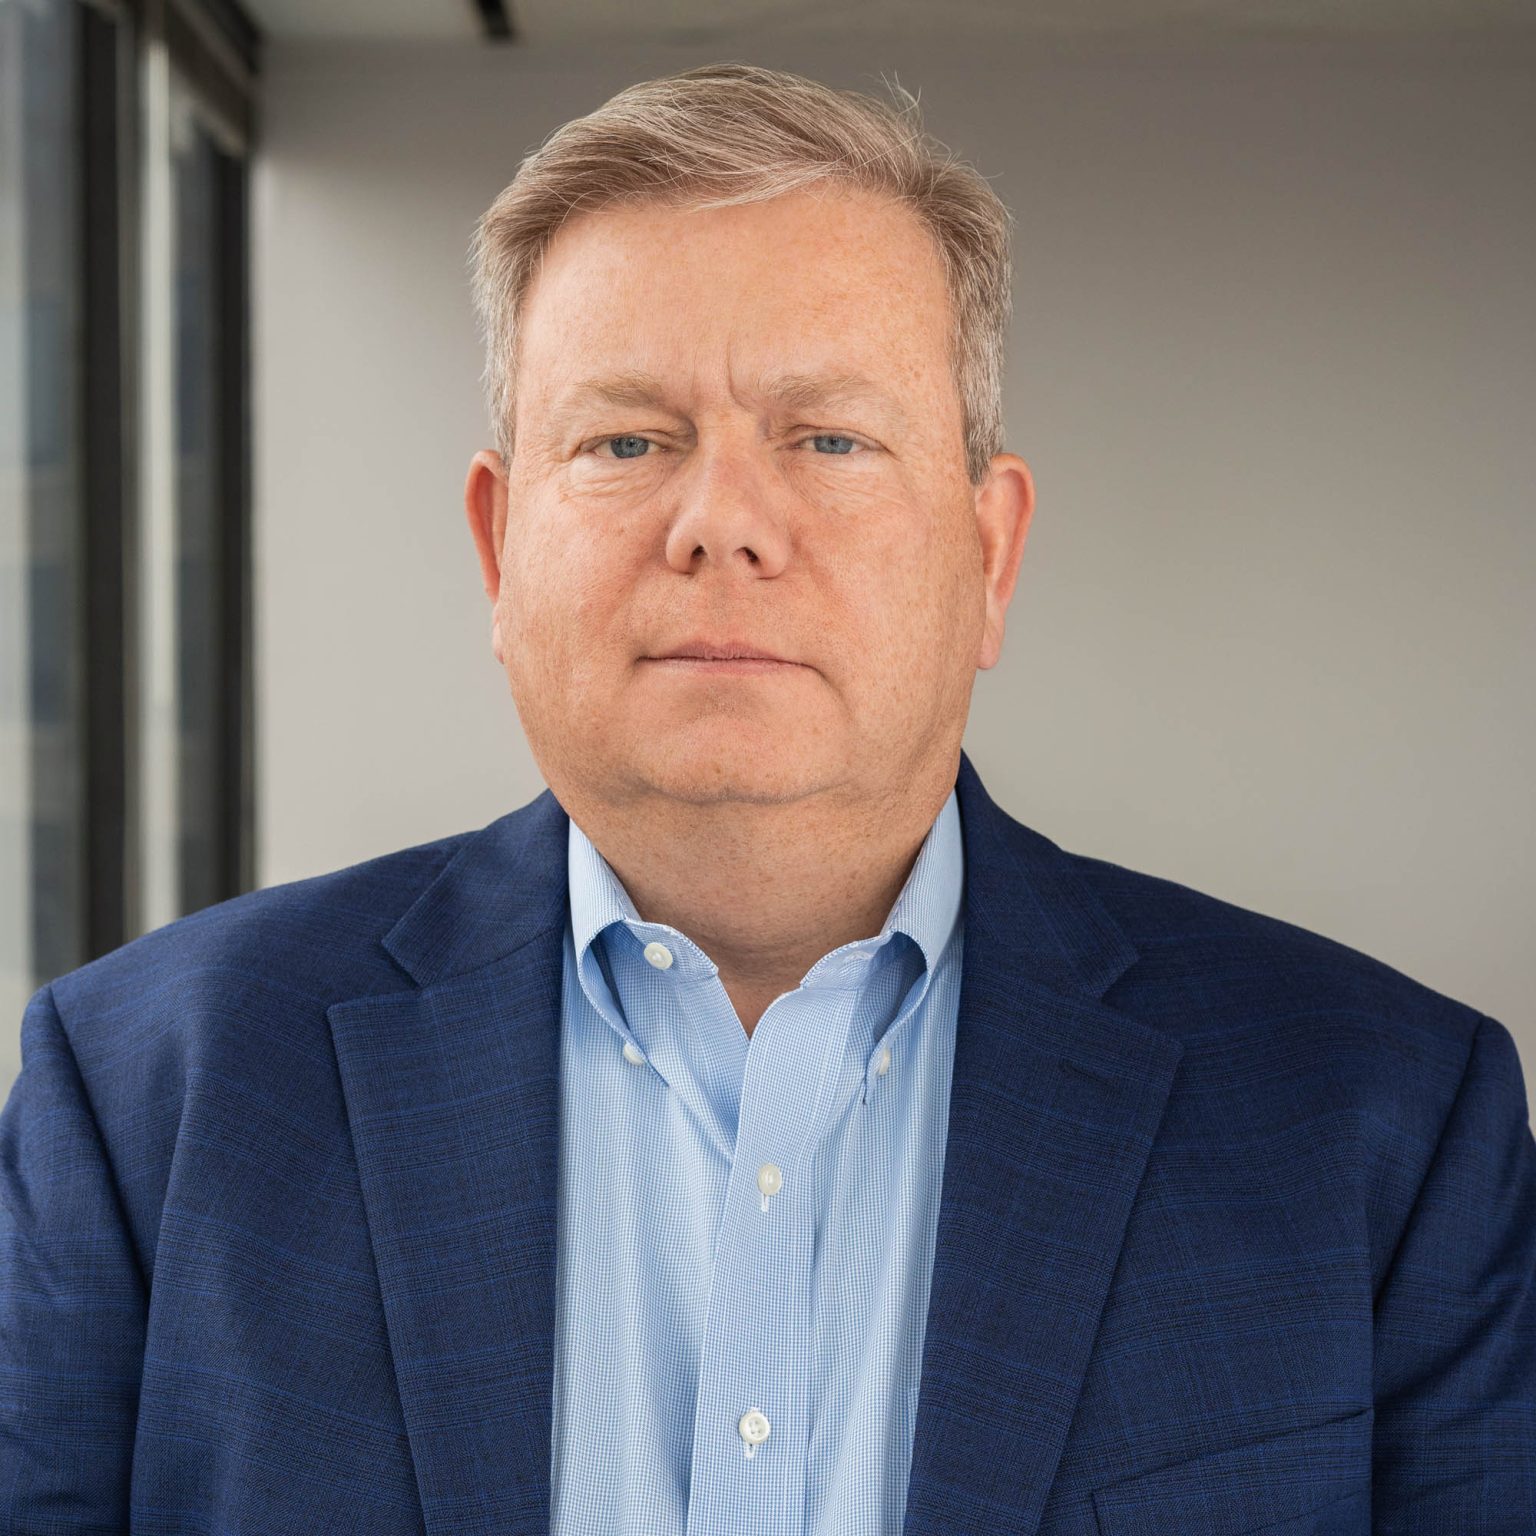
column 728, row 514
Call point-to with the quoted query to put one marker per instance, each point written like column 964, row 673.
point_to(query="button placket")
column 759, row 1324
column 759, row 1319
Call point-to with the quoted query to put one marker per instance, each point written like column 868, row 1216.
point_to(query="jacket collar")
column 452, row 1094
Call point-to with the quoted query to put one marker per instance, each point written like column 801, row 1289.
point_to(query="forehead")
column 821, row 283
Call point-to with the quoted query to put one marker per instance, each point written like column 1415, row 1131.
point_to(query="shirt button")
column 884, row 1063
column 754, row 1428
column 770, row 1180
column 633, row 1053
column 658, row 954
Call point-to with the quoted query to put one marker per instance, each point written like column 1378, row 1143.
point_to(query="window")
column 125, row 690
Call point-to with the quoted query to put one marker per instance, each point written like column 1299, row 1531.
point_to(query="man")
column 760, row 1130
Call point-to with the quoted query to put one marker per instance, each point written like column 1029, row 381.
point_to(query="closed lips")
column 701, row 651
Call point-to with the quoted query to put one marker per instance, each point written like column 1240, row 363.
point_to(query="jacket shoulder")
column 298, row 945
column 220, row 1016
column 1301, row 1052
column 1209, row 968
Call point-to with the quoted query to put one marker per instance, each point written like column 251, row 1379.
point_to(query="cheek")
column 919, row 609
column 907, row 583
column 566, row 611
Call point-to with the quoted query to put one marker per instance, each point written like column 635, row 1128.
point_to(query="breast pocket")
column 1312, row 1481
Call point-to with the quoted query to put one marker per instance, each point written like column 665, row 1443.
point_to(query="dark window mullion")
column 233, row 428
column 102, row 546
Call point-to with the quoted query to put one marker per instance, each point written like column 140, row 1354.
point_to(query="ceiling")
column 701, row 21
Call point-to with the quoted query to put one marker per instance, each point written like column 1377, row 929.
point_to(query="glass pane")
column 198, row 511
column 186, row 715
column 42, row 831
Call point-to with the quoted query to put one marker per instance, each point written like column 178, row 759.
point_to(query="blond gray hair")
column 732, row 133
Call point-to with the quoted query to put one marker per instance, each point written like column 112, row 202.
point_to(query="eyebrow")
column 789, row 391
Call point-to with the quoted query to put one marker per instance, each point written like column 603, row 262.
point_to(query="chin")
column 712, row 761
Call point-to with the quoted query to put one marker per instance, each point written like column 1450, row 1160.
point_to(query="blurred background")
column 1273, row 366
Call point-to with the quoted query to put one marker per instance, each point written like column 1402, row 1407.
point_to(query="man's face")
column 666, row 487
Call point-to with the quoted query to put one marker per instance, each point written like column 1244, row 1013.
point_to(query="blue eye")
column 832, row 437
column 633, row 447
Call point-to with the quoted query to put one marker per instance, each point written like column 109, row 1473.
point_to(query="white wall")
column 1273, row 367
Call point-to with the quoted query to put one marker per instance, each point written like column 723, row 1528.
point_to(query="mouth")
column 722, row 656
column 744, row 665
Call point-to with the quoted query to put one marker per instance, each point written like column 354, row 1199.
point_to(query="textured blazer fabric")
column 1237, row 1232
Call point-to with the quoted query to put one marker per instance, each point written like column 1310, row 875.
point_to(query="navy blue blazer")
column 1237, row 1232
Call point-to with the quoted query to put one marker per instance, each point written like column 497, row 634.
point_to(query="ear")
column 1005, row 502
column 485, row 505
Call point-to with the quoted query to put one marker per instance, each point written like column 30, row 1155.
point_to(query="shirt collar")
column 926, row 909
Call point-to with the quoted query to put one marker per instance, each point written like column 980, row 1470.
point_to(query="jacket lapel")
column 1054, row 1104
column 452, row 1094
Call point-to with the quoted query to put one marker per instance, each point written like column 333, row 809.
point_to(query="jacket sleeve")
column 73, row 1301
column 1455, row 1322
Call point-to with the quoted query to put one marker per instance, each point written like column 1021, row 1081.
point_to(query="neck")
column 765, row 890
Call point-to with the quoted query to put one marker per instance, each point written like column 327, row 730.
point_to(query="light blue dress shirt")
column 746, row 1225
